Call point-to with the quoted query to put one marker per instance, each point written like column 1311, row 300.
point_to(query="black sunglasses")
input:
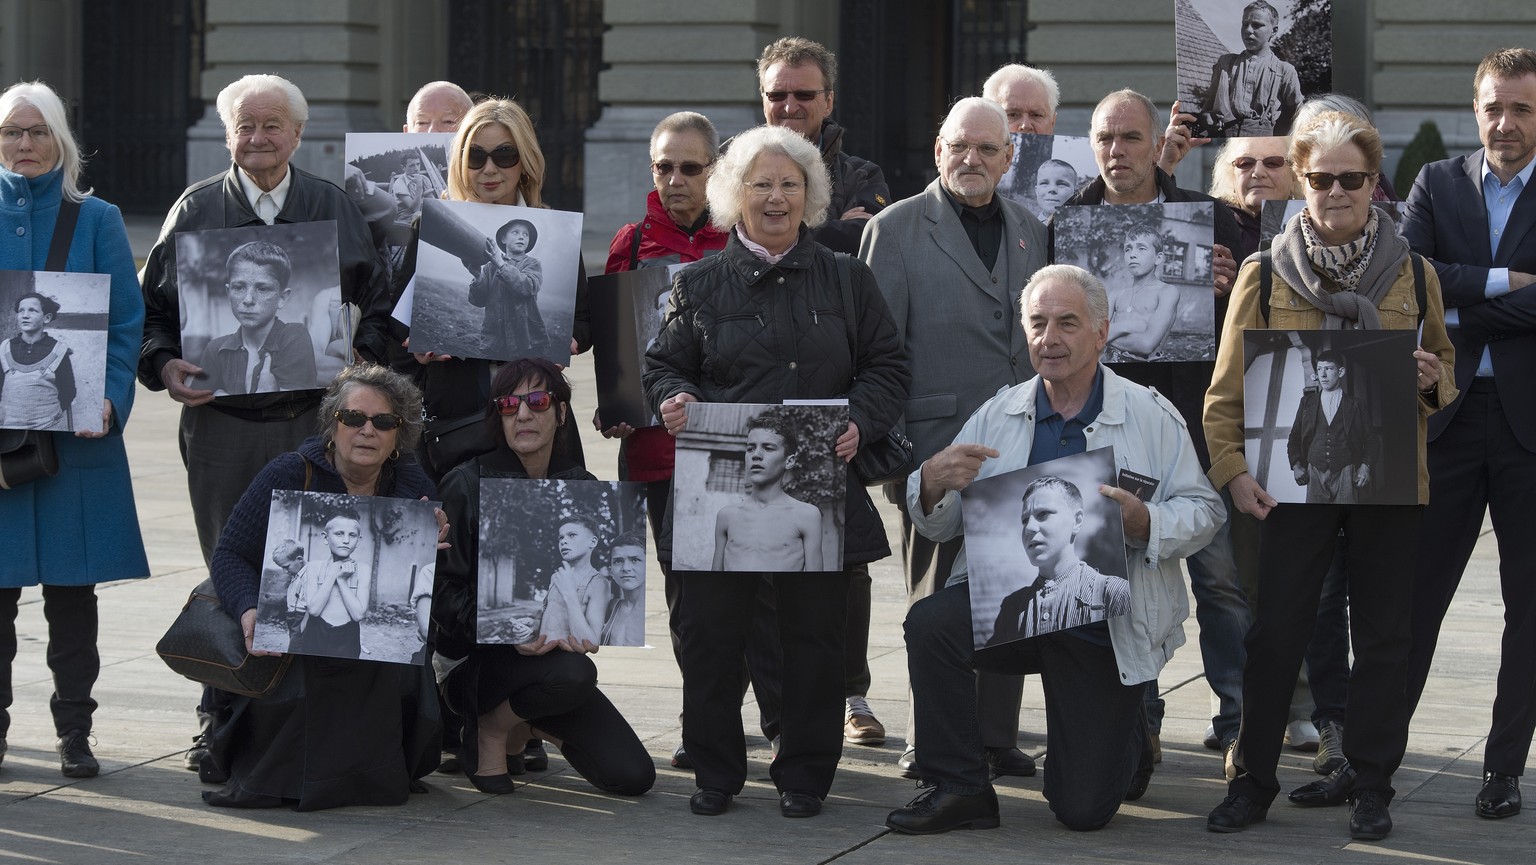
column 1350, row 180
column 800, row 95
column 688, row 169
column 537, row 400
column 504, row 156
column 382, row 422
column 1246, row 163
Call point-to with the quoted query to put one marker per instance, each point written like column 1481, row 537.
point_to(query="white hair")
column 1010, row 73
column 429, row 89
column 727, row 188
column 1092, row 287
column 229, row 97
column 41, row 97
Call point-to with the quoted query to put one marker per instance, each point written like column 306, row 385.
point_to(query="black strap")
column 634, row 247
column 1420, row 293
column 845, row 282
column 63, row 234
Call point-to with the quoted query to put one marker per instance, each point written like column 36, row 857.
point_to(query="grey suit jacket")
column 959, row 323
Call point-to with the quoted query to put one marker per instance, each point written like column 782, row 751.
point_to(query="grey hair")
column 1011, row 72
column 688, row 121
column 1331, row 102
column 1131, row 95
column 229, row 97
column 1092, row 288
column 41, row 96
column 727, row 189
column 970, row 102
column 403, row 397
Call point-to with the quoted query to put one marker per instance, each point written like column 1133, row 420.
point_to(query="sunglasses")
column 382, row 422
column 800, row 95
column 504, row 156
column 688, row 169
column 1246, row 163
column 1350, row 180
column 537, row 400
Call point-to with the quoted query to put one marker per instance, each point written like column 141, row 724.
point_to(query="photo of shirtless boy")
column 1141, row 315
column 769, row 530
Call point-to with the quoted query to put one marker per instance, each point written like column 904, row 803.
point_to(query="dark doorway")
column 546, row 55
column 140, row 75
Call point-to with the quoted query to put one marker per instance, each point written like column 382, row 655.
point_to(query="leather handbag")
column 451, row 441
column 889, row 458
column 25, row 456
column 207, row 646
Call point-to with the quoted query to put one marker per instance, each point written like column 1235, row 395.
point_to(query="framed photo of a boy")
column 1245, row 66
column 53, row 350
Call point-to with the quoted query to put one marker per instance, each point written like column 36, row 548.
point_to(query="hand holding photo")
column 1247, row 66
column 53, row 350
column 627, row 311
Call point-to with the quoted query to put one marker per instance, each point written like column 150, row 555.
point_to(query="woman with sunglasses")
column 335, row 732
column 508, row 694
column 1249, row 172
column 1336, row 265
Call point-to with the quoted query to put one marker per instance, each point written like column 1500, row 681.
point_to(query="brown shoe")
column 863, row 730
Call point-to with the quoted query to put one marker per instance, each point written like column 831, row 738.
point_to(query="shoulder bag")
column 888, row 458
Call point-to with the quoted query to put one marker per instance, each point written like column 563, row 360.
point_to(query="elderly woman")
column 1249, row 172
column 79, row 527
column 1336, row 265
column 335, row 732
column 540, row 687
column 761, row 322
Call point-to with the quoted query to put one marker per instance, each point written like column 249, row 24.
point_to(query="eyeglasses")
column 382, row 422
column 537, row 400
column 790, row 188
column 688, row 169
column 12, row 134
column 1350, row 180
column 800, row 95
column 504, row 156
column 960, row 148
column 1246, row 163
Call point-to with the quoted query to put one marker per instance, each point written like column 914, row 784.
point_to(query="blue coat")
column 80, row 526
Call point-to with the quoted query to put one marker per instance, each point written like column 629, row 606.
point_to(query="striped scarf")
column 1343, row 264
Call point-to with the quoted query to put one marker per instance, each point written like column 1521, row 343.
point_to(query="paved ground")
column 145, row 808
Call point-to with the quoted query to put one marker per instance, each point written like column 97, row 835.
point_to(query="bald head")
column 437, row 107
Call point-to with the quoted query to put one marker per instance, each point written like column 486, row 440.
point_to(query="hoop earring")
column 330, row 444
column 394, row 455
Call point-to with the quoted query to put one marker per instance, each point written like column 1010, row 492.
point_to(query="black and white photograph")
column 388, row 175
column 1275, row 214
column 627, row 310
column 1047, row 170
column 261, row 307
column 347, row 577
column 53, row 350
column 496, row 281
column 1330, row 416
column 1245, row 66
column 561, row 558
column 759, row 488
column 1045, row 550
column 1155, row 260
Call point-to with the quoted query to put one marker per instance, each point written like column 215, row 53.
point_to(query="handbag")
column 451, row 441
column 26, row 455
column 889, row 458
column 207, row 646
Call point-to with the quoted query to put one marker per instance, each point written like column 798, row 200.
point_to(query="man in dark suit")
column 1475, row 218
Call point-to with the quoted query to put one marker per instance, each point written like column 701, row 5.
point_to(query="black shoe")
column 1330, row 748
column 1368, row 817
column 1500, row 796
column 450, row 764
column 516, row 765
column 907, row 763
column 193, row 760
column 1010, row 761
column 680, row 759
column 709, row 802
column 535, row 758
column 934, row 811
column 493, row 784
column 75, row 757
column 1236, row 813
column 799, row 803
column 1332, row 790
column 1139, row 783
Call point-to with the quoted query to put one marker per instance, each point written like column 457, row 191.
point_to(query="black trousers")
column 715, row 618
column 1296, row 548
column 72, row 657
column 1477, row 466
column 1094, row 724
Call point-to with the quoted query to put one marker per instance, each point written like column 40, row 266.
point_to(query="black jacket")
column 743, row 331
column 219, row 202
column 855, row 183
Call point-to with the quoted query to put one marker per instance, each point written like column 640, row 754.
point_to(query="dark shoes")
column 1236, row 813
column 535, row 758
column 680, row 759
column 193, row 761
column 75, row 757
column 1332, row 790
column 799, row 803
column 1500, row 796
column 709, row 802
column 1330, row 748
column 493, row 784
column 1368, row 817
column 1139, row 783
column 907, row 763
column 450, row 764
column 1010, row 761
column 934, row 811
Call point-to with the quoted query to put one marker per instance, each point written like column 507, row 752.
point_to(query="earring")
column 330, row 444
column 395, row 454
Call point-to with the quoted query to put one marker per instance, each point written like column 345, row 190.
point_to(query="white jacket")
column 1149, row 437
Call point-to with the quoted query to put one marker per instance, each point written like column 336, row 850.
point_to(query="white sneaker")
column 1301, row 735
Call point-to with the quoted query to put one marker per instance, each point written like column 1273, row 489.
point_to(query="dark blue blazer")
column 1447, row 223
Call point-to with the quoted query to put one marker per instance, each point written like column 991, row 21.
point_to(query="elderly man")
column 948, row 261
column 798, row 80
column 1028, row 97
column 1093, row 675
column 226, row 440
column 1475, row 218
column 1126, row 145
column 437, row 107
